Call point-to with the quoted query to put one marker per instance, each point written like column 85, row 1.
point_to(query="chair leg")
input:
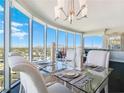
column 64, row 83
column 98, row 91
column 106, row 88
column 72, row 89
column 21, row 88
column 103, row 86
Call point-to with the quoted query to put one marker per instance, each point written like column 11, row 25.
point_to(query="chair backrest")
column 78, row 58
column 30, row 77
column 98, row 57
column 70, row 54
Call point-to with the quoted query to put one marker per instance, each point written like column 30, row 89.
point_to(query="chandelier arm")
column 80, row 10
column 63, row 12
column 85, row 16
column 65, row 18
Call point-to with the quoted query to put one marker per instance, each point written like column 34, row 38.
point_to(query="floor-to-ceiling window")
column 19, row 36
column 38, row 41
column 61, row 51
column 51, row 38
column 70, row 40
column 61, row 39
column 78, row 40
column 1, row 44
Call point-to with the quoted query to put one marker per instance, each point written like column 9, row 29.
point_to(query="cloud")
column 17, row 24
column 1, row 31
column 1, row 27
column 19, row 34
column 1, row 22
column 15, row 29
column 1, row 9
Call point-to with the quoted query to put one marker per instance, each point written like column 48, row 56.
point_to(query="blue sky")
column 70, row 40
column 38, row 34
column 78, row 40
column 51, row 36
column 94, row 41
column 20, row 28
column 61, row 38
column 1, row 22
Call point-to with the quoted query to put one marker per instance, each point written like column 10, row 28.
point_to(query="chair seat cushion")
column 58, row 88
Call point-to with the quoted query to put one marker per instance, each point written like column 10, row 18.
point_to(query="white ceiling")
column 101, row 14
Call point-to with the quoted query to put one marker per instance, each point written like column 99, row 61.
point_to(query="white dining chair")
column 99, row 58
column 79, row 59
column 70, row 56
column 30, row 77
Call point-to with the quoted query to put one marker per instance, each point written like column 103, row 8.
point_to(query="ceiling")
column 101, row 14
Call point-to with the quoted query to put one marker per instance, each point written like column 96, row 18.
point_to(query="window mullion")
column 7, row 44
column 30, row 39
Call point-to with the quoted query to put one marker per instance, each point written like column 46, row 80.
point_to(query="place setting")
column 74, row 77
column 67, row 75
column 94, row 67
column 70, row 75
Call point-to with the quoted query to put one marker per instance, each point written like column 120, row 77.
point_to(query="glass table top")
column 55, row 67
column 88, row 81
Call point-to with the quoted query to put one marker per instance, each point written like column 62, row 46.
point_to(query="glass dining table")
column 89, row 80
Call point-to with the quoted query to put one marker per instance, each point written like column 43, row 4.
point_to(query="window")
column 61, row 39
column 38, row 41
column 61, row 51
column 19, row 36
column 93, row 41
column 51, row 38
column 1, row 45
column 70, row 40
column 78, row 40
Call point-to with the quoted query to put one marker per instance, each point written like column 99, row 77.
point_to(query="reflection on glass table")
column 54, row 67
column 88, row 81
column 41, row 63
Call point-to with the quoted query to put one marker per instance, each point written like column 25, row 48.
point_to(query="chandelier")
column 70, row 10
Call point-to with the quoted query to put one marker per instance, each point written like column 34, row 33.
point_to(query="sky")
column 93, row 41
column 61, row 39
column 19, row 28
column 20, row 32
column 38, row 34
column 1, row 22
